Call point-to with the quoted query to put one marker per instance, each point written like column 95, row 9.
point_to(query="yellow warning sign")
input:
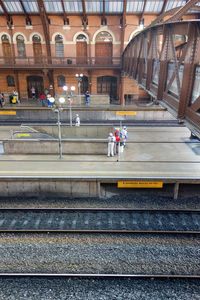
column 7, row 112
column 129, row 113
column 140, row 184
column 22, row 134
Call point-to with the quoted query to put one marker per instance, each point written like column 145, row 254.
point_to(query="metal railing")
column 61, row 62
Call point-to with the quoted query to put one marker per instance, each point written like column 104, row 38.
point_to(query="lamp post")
column 79, row 79
column 57, row 109
column 69, row 97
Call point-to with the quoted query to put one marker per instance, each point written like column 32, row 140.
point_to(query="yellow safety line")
column 7, row 112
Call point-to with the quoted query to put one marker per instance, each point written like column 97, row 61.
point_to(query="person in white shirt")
column 77, row 120
column 111, row 144
column 33, row 92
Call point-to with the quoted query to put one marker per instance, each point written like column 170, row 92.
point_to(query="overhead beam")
column 103, row 18
column 142, row 14
column 66, row 20
column 8, row 17
column 163, row 7
column 28, row 19
column 84, row 17
column 123, row 25
column 45, row 25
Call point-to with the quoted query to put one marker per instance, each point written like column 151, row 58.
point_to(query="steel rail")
column 99, row 209
column 112, row 275
column 99, row 231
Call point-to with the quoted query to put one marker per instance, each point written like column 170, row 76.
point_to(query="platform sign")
column 23, row 134
column 7, row 112
column 129, row 113
column 139, row 184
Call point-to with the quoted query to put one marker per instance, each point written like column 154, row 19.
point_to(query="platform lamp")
column 79, row 79
column 57, row 108
column 69, row 96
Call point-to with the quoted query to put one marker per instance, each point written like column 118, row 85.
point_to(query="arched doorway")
column 103, row 48
column 21, row 49
column 81, row 49
column 59, row 46
column 37, row 48
column 107, row 85
column 84, row 84
column 6, row 48
column 37, row 83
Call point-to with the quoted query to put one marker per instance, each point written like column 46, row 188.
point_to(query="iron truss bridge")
column 164, row 59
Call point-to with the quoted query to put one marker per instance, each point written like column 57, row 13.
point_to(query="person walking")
column 1, row 104
column 42, row 97
column 77, row 120
column 111, row 144
column 87, row 98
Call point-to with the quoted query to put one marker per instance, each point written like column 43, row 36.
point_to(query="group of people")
column 117, row 141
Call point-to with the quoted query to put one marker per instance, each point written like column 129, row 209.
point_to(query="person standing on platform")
column 77, row 120
column 48, row 102
column 87, row 98
column 111, row 144
column 1, row 104
column 42, row 97
column 124, row 135
column 33, row 92
column 117, row 139
column 15, row 97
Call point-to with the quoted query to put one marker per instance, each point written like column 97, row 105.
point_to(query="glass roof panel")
column 153, row 6
column 31, row 6
column 73, row 6
column 114, row 6
column 1, row 9
column 135, row 6
column 13, row 6
column 94, row 6
column 53, row 6
column 173, row 4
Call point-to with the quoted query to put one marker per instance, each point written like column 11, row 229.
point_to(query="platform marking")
column 5, row 112
column 140, row 184
column 122, row 113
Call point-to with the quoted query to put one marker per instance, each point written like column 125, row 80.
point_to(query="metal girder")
column 142, row 14
column 45, row 25
column 163, row 7
column 8, row 17
column 178, row 15
column 152, row 58
column 103, row 18
column 66, row 21
column 84, row 18
column 123, row 25
column 28, row 19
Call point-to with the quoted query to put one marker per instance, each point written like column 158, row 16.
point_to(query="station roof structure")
column 75, row 7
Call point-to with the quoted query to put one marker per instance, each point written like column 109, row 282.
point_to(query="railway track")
column 98, row 275
column 103, row 220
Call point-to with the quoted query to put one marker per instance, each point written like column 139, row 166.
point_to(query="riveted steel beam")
column 66, row 20
column 28, row 19
column 45, row 25
column 84, row 17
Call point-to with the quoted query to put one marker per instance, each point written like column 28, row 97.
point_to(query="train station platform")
column 164, row 154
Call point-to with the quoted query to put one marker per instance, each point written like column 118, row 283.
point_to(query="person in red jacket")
column 117, row 138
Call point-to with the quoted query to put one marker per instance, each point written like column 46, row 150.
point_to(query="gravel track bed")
column 136, row 200
column 98, row 220
column 100, row 253
column 101, row 289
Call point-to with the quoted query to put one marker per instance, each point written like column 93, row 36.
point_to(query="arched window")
column 59, row 46
column 61, row 80
column 81, row 38
column 21, row 46
column 10, row 80
column 104, row 36
column 5, row 38
column 36, row 38
column 6, row 48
